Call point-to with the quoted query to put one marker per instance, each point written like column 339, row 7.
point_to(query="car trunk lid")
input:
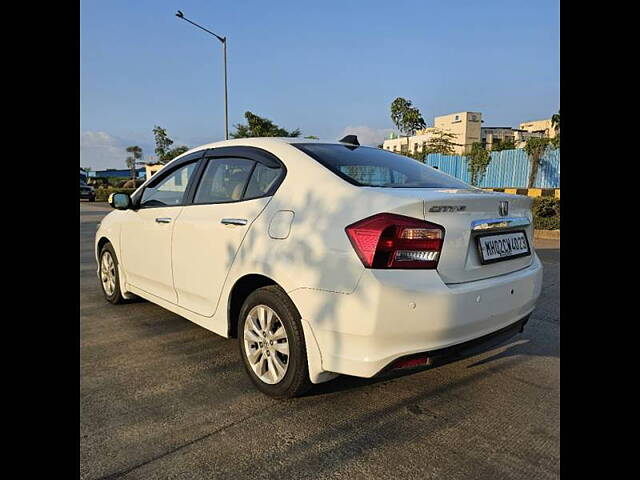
column 465, row 216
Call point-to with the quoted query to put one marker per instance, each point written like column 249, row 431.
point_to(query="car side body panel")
column 204, row 249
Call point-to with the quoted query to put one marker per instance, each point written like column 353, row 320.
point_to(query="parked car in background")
column 87, row 192
column 323, row 258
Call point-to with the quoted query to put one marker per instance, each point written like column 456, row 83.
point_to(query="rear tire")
column 263, row 343
column 110, row 274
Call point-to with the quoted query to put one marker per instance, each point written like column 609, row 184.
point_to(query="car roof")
column 260, row 141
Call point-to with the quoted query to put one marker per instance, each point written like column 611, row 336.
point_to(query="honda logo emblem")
column 503, row 208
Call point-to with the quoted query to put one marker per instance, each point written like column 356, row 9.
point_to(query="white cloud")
column 367, row 135
column 100, row 150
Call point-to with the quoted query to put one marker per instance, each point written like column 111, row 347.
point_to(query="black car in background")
column 87, row 191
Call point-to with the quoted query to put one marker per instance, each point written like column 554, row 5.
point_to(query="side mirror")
column 120, row 201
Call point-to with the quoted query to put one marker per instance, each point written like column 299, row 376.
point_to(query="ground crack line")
column 135, row 467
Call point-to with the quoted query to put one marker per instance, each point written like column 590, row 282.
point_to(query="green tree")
column 441, row 142
column 136, row 155
column 261, row 127
column 477, row 162
column 312, row 137
column 535, row 148
column 406, row 117
column 163, row 143
column 555, row 123
column 508, row 144
column 174, row 152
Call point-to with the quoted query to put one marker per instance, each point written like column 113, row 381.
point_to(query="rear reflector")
column 408, row 363
column 387, row 240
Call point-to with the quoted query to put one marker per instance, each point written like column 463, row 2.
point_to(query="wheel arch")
column 241, row 289
column 101, row 243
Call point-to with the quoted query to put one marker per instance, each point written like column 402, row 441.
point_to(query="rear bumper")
column 393, row 314
column 461, row 350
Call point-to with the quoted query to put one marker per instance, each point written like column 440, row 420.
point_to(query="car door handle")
column 163, row 220
column 234, row 221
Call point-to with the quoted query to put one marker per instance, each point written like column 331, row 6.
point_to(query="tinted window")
column 224, row 180
column 262, row 180
column 170, row 190
column 374, row 167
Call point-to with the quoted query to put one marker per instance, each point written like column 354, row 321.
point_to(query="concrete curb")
column 530, row 192
column 547, row 234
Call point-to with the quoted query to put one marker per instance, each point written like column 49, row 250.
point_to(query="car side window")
column 224, row 180
column 170, row 190
column 262, row 180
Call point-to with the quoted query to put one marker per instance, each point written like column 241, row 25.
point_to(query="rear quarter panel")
column 317, row 253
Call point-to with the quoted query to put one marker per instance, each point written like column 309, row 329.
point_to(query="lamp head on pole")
column 179, row 14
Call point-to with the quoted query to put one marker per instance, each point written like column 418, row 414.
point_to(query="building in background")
column 543, row 127
column 491, row 137
column 464, row 125
column 152, row 168
column 467, row 128
column 83, row 175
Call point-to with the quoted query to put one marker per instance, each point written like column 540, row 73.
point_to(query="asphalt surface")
column 162, row 398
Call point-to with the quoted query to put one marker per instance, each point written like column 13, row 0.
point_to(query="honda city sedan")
column 323, row 258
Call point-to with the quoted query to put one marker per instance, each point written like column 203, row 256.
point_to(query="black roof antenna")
column 352, row 139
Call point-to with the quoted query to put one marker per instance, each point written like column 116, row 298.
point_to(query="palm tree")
column 136, row 151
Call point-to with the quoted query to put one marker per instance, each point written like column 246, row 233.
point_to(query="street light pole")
column 226, row 111
column 223, row 40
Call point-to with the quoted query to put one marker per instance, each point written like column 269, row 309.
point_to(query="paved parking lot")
column 161, row 397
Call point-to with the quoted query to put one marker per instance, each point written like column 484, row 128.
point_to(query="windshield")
column 374, row 167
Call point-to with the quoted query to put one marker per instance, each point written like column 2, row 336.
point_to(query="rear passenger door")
column 234, row 187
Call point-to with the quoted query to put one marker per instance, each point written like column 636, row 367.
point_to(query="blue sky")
column 327, row 67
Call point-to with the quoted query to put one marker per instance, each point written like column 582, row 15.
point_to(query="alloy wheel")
column 108, row 273
column 266, row 344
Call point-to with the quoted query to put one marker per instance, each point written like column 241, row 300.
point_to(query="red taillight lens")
column 387, row 240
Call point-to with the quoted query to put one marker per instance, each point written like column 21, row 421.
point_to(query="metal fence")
column 507, row 169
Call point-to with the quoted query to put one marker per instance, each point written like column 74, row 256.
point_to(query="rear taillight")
column 387, row 240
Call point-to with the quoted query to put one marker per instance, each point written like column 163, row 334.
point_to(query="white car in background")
column 323, row 258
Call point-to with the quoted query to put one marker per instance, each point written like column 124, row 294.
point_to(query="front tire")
column 272, row 344
column 110, row 274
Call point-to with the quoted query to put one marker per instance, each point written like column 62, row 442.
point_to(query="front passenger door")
column 146, row 233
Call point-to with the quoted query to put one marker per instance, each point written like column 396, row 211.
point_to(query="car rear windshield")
column 374, row 167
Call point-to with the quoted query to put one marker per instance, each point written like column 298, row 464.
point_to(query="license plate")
column 504, row 246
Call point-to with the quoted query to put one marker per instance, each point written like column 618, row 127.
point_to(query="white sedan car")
column 323, row 258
